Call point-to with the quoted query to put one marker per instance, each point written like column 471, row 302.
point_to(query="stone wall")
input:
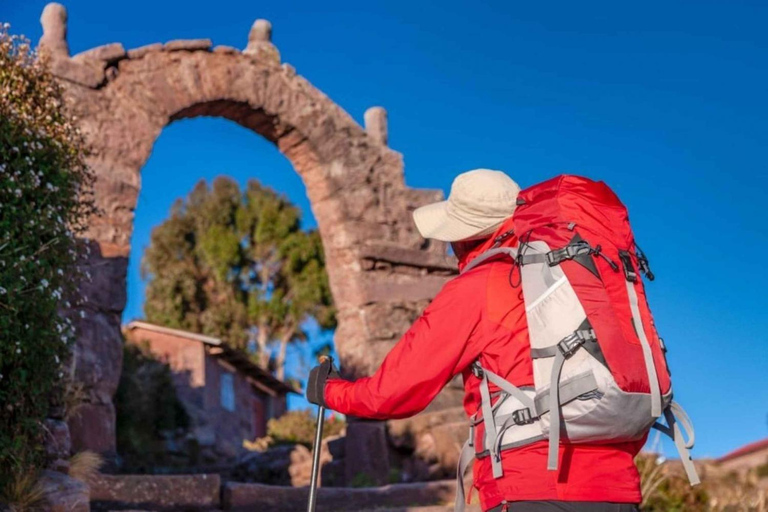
column 382, row 273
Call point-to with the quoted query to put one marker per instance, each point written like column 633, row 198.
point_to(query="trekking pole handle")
column 316, row 459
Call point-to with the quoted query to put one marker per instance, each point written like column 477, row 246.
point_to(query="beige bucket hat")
column 479, row 202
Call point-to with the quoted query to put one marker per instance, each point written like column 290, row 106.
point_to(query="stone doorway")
column 382, row 273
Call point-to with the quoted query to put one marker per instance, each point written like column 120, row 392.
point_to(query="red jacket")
column 481, row 315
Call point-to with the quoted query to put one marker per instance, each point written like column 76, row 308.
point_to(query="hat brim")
column 433, row 221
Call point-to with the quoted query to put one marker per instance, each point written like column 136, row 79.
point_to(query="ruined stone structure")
column 382, row 273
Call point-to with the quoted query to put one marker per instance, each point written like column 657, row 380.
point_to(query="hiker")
column 476, row 326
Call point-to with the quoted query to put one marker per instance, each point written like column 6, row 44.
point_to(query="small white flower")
column 3, row 291
column 18, row 351
column 44, row 283
column 17, row 192
column 56, row 358
column 60, row 272
column 49, row 186
column 82, row 314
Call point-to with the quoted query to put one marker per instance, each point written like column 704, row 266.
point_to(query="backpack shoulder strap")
column 489, row 254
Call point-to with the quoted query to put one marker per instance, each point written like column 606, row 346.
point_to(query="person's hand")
column 316, row 381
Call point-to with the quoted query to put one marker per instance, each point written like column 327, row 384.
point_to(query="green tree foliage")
column 148, row 411
column 236, row 265
column 44, row 205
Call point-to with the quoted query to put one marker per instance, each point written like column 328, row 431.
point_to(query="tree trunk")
column 284, row 340
column 262, row 338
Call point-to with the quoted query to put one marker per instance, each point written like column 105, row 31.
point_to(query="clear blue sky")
column 666, row 101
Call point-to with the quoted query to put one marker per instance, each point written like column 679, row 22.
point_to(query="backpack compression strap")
column 676, row 416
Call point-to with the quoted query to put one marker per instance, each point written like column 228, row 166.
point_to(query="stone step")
column 199, row 493
column 396, row 497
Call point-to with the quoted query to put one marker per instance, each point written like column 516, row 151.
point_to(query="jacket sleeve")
column 436, row 348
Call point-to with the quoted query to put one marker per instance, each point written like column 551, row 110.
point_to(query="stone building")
column 228, row 398
column 746, row 458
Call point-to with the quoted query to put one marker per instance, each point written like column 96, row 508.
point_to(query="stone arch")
column 381, row 271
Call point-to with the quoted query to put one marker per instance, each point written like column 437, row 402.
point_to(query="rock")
column 109, row 53
column 57, row 442
column 242, row 497
column 226, row 50
column 376, row 124
column 280, row 465
column 188, row 45
column 336, row 446
column 64, row 494
column 141, row 51
column 367, row 460
column 54, row 39
column 92, row 427
column 82, row 73
column 157, row 492
column 332, row 474
column 261, row 31
column 260, row 45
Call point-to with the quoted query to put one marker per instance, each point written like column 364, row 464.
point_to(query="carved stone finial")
column 261, row 31
column 376, row 124
column 260, row 44
column 54, row 22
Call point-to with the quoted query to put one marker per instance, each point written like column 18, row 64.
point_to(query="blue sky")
column 666, row 101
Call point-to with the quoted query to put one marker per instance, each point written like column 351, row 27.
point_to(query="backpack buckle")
column 568, row 252
column 645, row 268
column 523, row 417
column 568, row 345
column 629, row 270
column 477, row 370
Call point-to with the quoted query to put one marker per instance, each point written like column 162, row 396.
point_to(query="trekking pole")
column 316, row 459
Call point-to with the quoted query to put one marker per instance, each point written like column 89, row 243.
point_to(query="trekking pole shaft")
column 316, row 459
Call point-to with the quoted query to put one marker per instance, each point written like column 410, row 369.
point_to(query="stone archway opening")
column 381, row 272
column 204, row 149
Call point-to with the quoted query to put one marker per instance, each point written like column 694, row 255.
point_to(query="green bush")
column 298, row 427
column 44, row 205
column 148, row 412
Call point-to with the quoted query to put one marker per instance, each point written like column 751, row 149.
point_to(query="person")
column 481, row 315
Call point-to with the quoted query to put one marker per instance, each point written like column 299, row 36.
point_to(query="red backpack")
column 600, row 367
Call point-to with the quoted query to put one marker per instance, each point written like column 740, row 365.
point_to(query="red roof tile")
column 744, row 450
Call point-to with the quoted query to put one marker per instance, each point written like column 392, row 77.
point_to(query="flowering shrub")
column 43, row 207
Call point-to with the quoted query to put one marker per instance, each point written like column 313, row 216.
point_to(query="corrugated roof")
column 234, row 357
column 745, row 450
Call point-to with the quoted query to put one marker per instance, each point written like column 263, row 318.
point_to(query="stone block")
column 81, row 73
column 141, row 51
column 155, row 492
column 188, row 45
column 367, row 459
column 58, row 444
column 64, row 494
column 92, row 427
column 108, row 53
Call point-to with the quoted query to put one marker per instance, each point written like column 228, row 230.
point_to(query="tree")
column 237, row 265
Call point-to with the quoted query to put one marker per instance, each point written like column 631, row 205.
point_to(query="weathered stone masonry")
column 382, row 273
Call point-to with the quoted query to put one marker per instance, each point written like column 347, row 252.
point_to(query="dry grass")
column 24, row 493
column 665, row 489
column 84, row 465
